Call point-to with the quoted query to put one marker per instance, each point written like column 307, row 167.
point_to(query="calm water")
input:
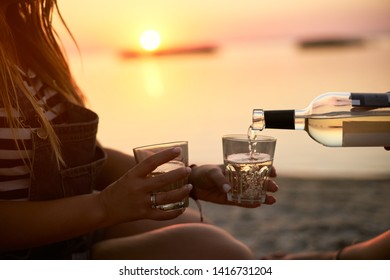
column 199, row 98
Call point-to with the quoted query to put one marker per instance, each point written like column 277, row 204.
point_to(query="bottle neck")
column 280, row 119
column 327, row 105
column 300, row 119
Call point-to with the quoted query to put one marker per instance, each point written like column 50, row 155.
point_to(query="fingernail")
column 271, row 200
column 176, row 150
column 226, row 187
column 188, row 169
column 189, row 187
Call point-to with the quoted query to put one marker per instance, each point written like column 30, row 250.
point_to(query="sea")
column 199, row 97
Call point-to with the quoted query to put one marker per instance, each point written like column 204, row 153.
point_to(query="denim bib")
column 49, row 181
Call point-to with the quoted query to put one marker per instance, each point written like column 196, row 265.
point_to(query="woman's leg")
column 182, row 241
column 132, row 228
column 180, row 238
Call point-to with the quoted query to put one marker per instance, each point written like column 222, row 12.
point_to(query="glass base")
column 243, row 199
column 173, row 206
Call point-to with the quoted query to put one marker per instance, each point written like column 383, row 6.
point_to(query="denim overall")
column 49, row 181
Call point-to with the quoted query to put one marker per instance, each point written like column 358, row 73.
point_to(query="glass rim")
column 244, row 138
column 167, row 144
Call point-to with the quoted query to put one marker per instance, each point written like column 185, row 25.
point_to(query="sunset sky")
column 119, row 89
column 119, row 23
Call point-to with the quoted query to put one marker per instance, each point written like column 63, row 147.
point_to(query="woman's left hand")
column 210, row 184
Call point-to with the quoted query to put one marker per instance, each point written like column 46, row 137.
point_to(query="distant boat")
column 206, row 49
column 331, row 42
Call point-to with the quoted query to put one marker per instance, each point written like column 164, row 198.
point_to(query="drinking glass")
column 248, row 164
column 141, row 153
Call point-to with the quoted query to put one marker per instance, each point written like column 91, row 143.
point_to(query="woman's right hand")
column 129, row 198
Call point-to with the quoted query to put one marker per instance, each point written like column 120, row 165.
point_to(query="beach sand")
column 310, row 215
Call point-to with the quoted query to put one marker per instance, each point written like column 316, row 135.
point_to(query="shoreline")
column 309, row 215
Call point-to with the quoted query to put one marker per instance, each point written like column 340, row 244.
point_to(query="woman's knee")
column 204, row 241
column 184, row 241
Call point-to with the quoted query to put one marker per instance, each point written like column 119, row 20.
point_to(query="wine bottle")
column 336, row 119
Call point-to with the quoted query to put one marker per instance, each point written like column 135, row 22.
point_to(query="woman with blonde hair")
column 62, row 195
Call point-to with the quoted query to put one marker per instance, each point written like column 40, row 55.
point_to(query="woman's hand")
column 131, row 197
column 210, row 184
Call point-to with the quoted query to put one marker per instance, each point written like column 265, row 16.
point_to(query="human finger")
column 269, row 200
column 272, row 186
column 173, row 196
column 157, row 182
column 151, row 163
column 216, row 176
column 161, row 208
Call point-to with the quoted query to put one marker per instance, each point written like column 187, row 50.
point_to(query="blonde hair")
column 29, row 41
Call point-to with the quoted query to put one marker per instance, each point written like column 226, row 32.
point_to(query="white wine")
column 248, row 174
column 335, row 119
column 349, row 132
column 164, row 168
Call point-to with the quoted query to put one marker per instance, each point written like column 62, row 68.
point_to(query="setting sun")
column 150, row 40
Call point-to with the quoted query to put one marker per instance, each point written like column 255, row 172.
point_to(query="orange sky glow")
column 118, row 24
column 131, row 93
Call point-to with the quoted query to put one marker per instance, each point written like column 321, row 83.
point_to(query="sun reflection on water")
column 152, row 78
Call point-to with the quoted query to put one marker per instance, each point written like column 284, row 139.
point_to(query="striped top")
column 14, row 162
